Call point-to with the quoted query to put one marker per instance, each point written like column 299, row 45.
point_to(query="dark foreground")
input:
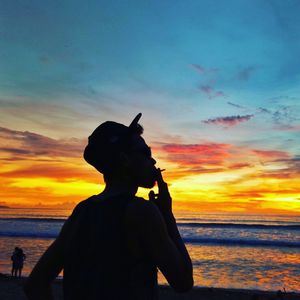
column 11, row 289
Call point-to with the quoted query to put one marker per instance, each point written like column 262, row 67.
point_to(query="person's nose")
column 153, row 160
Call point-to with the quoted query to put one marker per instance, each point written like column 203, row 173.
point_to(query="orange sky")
column 40, row 171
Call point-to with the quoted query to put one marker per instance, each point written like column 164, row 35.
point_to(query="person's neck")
column 115, row 188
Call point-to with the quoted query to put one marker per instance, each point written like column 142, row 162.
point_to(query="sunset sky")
column 217, row 83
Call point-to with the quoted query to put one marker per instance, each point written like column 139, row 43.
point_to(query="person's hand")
column 163, row 200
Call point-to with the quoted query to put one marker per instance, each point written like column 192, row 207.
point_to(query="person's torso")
column 103, row 259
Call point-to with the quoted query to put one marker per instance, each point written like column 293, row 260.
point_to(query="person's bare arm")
column 164, row 204
column 165, row 246
column 38, row 285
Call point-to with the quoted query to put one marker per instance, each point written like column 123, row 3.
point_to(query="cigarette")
column 162, row 170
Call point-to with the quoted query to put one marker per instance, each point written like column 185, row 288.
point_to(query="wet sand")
column 11, row 289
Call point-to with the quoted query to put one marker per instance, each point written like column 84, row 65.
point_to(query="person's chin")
column 148, row 185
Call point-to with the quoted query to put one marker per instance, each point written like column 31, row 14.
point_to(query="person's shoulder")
column 77, row 217
column 82, row 206
column 141, row 211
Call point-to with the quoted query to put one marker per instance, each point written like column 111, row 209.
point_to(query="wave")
column 40, row 220
column 195, row 241
column 181, row 224
column 43, row 235
column 242, row 242
column 240, row 226
column 243, row 220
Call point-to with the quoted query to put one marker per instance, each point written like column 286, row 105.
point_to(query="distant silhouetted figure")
column 17, row 258
column 14, row 265
column 113, row 243
column 152, row 196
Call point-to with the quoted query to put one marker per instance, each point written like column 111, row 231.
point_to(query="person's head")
column 121, row 154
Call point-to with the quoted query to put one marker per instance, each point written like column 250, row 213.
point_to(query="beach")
column 228, row 251
column 11, row 289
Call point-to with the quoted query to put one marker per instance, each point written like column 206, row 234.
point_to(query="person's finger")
column 159, row 175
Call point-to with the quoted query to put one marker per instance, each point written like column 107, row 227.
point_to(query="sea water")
column 227, row 250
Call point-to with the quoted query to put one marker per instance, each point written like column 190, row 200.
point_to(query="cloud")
column 229, row 121
column 245, row 73
column 54, row 117
column 202, row 70
column 37, row 167
column 198, row 68
column 239, row 166
column 197, row 155
column 271, row 154
column 264, row 110
column 282, row 166
column 61, row 172
column 235, row 105
column 211, row 92
column 283, row 117
column 282, row 98
column 184, row 171
column 15, row 151
column 247, row 194
column 288, row 128
column 285, row 114
column 25, row 145
column 293, row 164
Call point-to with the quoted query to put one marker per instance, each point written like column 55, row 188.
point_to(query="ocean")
column 228, row 250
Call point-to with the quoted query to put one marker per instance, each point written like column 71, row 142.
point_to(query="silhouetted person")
column 152, row 196
column 14, row 265
column 17, row 258
column 113, row 243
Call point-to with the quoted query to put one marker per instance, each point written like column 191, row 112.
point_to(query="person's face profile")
column 142, row 165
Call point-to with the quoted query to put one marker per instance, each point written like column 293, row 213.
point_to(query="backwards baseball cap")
column 107, row 141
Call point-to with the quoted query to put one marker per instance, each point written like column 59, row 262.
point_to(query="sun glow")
column 206, row 177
